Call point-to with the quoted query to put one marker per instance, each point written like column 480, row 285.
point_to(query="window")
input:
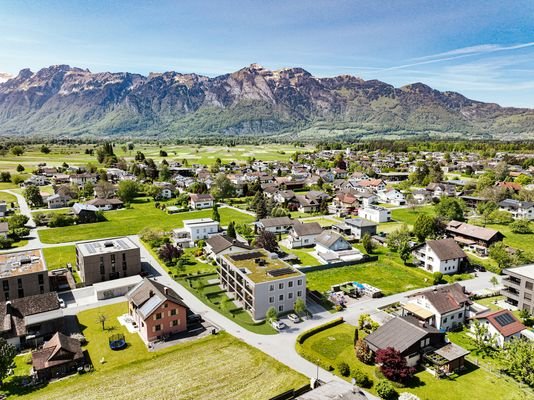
column 102, row 270
column 113, row 258
column 172, row 313
column 157, row 316
column 280, row 308
column 444, row 320
column 123, row 256
column 271, row 299
column 124, row 266
column 299, row 282
column 529, row 285
column 157, row 328
column 290, row 295
column 299, row 293
column 271, row 288
column 175, row 322
column 460, row 315
column 41, row 279
column 281, row 297
column 6, row 285
column 290, row 284
column 280, row 286
column 527, row 296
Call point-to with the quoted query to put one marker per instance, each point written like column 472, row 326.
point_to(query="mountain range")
column 66, row 101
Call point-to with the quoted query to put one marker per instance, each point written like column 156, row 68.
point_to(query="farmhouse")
column 473, row 237
column 442, row 255
column 60, row 356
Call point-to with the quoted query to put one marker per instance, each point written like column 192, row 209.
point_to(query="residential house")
column 512, row 186
column 107, row 259
column 60, row 356
column 344, row 203
column 276, row 224
column 23, row 273
column 201, row 201
column 392, row 196
column 375, row 213
column 375, row 185
column 519, row 287
column 356, row 227
column 194, row 230
column 57, row 201
column 303, row 235
column 518, row 209
column 472, row 237
column 3, row 208
column 218, row 245
column 157, row 310
column 421, row 196
column 331, row 247
column 443, row 307
column 258, row 280
column 106, row 204
column 443, row 255
column 417, row 342
column 502, row 325
column 438, row 190
column 82, row 179
column 85, row 212
column 37, row 180
column 28, row 321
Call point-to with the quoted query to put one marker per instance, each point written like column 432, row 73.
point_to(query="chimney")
column 165, row 290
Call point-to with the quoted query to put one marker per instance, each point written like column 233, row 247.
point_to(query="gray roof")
column 328, row 238
column 278, row 221
column 309, row 228
column 515, row 204
column 451, row 352
column 359, row 222
column 400, row 333
column 446, row 249
column 220, row 243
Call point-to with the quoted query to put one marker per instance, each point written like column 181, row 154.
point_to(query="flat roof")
column 417, row 310
column 199, row 221
column 526, row 270
column 105, row 246
column 21, row 263
column 117, row 283
column 259, row 266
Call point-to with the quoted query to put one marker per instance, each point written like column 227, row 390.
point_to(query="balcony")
column 511, row 293
column 511, row 282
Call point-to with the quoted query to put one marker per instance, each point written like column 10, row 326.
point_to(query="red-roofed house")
column 502, row 324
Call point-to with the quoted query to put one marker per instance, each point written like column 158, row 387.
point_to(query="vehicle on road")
column 294, row 318
column 278, row 325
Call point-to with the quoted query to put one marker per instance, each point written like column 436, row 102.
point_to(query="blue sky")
column 483, row 49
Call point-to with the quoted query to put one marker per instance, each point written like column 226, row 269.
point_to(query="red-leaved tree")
column 169, row 253
column 393, row 365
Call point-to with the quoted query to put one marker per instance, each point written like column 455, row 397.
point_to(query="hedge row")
column 303, row 336
column 313, row 359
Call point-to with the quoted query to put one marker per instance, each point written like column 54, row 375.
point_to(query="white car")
column 278, row 325
column 294, row 318
column 61, row 302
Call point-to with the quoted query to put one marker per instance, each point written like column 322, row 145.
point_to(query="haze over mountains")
column 67, row 101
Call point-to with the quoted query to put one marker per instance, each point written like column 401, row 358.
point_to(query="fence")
column 292, row 394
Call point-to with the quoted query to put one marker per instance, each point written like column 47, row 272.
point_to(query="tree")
column 17, row 150
column 20, row 168
column 438, row 276
column 361, row 379
column 261, row 208
column 425, row 226
column 162, row 153
column 367, row 243
column 17, row 221
column 499, row 253
column 7, row 355
column 165, row 173
column 104, row 189
column 128, row 190
column 521, row 226
column 485, row 209
column 267, row 240
column 215, row 213
column 222, row 187
column 363, row 352
column 343, row 368
column 501, row 217
column 481, row 337
column 102, row 318
column 5, row 176
column 393, row 365
column 300, row 306
column 271, row 314
column 45, row 149
column 450, row 208
column 32, row 194
column 385, row 390
column 494, row 281
column 395, row 238
column 153, row 191
column 517, row 360
column 169, row 253
column 405, row 251
column 231, row 230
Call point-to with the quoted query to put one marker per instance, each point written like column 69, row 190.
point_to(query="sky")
column 482, row 49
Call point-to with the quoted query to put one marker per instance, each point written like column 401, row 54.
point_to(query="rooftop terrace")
column 21, row 263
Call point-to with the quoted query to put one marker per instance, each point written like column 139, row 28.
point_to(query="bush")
column 5, row 243
column 521, row 226
column 438, row 277
column 57, row 220
column 386, row 391
column 312, row 357
column 361, row 379
column 363, row 353
column 303, row 336
column 343, row 368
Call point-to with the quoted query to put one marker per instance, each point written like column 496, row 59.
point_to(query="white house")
column 518, row 209
column 276, row 225
column 3, row 208
column 200, row 201
column 392, row 196
column 444, row 255
column 82, row 179
column 502, row 325
column 37, row 180
column 303, row 235
column 57, row 201
column 195, row 229
column 445, row 307
column 218, row 245
column 331, row 247
column 375, row 213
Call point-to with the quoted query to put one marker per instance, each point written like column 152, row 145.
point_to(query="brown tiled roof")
column 472, row 231
column 446, row 249
column 59, row 350
column 446, row 298
column 309, row 228
column 506, row 329
column 219, row 243
column 148, row 288
column 276, row 221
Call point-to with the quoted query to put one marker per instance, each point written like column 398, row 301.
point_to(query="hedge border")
column 305, row 335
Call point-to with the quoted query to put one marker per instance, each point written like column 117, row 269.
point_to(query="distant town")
column 266, row 271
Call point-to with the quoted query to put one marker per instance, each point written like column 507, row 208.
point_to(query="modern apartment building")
column 107, row 259
column 259, row 280
column 22, row 274
column 519, row 287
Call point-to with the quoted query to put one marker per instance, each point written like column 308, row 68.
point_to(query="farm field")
column 197, row 369
column 132, row 221
column 336, row 345
column 388, row 274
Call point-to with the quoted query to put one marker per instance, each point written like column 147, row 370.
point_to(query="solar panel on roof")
column 247, row 256
column 504, row 319
column 90, row 248
column 280, row 272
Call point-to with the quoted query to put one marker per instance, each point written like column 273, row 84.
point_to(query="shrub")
column 60, row 220
column 343, row 368
column 361, row 379
column 303, row 336
column 438, row 276
column 393, row 365
column 5, row 243
column 521, row 226
column 386, row 391
column 363, row 353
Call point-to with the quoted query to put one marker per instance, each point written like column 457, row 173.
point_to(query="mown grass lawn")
column 306, row 259
column 523, row 242
column 320, row 220
column 388, row 274
column 409, row 215
column 59, row 257
column 132, row 221
column 217, row 367
column 8, row 198
column 336, row 345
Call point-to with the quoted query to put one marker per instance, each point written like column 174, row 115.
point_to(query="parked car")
column 278, row 325
column 61, row 302
column 294, row 318
column 194, row 319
